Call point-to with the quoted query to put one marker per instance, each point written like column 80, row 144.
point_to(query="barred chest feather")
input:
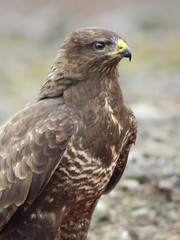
column 91, row 157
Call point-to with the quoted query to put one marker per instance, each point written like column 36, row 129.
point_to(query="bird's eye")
column 99, row 45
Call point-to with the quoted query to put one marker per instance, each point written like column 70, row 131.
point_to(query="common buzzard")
column 60, row 153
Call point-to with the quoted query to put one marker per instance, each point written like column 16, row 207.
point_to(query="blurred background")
column 146, row 202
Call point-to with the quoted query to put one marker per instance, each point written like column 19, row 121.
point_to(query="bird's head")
column 92, row 50
column 86, row 53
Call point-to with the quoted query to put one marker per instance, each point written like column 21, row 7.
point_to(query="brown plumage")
column 59, row 154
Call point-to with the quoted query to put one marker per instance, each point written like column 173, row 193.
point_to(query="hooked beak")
column 122, row 51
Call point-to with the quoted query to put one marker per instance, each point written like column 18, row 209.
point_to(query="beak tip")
column 126, row 53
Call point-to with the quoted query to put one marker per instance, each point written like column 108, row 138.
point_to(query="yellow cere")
column 121, row 47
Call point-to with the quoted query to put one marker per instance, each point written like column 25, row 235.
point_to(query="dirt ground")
column 146, row 203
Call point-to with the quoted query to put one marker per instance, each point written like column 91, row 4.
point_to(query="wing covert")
column 31, row 146
column 129, row 139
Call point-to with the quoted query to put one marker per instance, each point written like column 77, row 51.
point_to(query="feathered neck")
column 66, row 71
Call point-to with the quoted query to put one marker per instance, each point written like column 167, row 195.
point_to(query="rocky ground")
column 146, row 203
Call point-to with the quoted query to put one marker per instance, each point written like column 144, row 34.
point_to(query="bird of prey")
column 60, row 153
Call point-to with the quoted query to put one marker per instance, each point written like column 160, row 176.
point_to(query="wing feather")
column 31, row 146
column 129, row 139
